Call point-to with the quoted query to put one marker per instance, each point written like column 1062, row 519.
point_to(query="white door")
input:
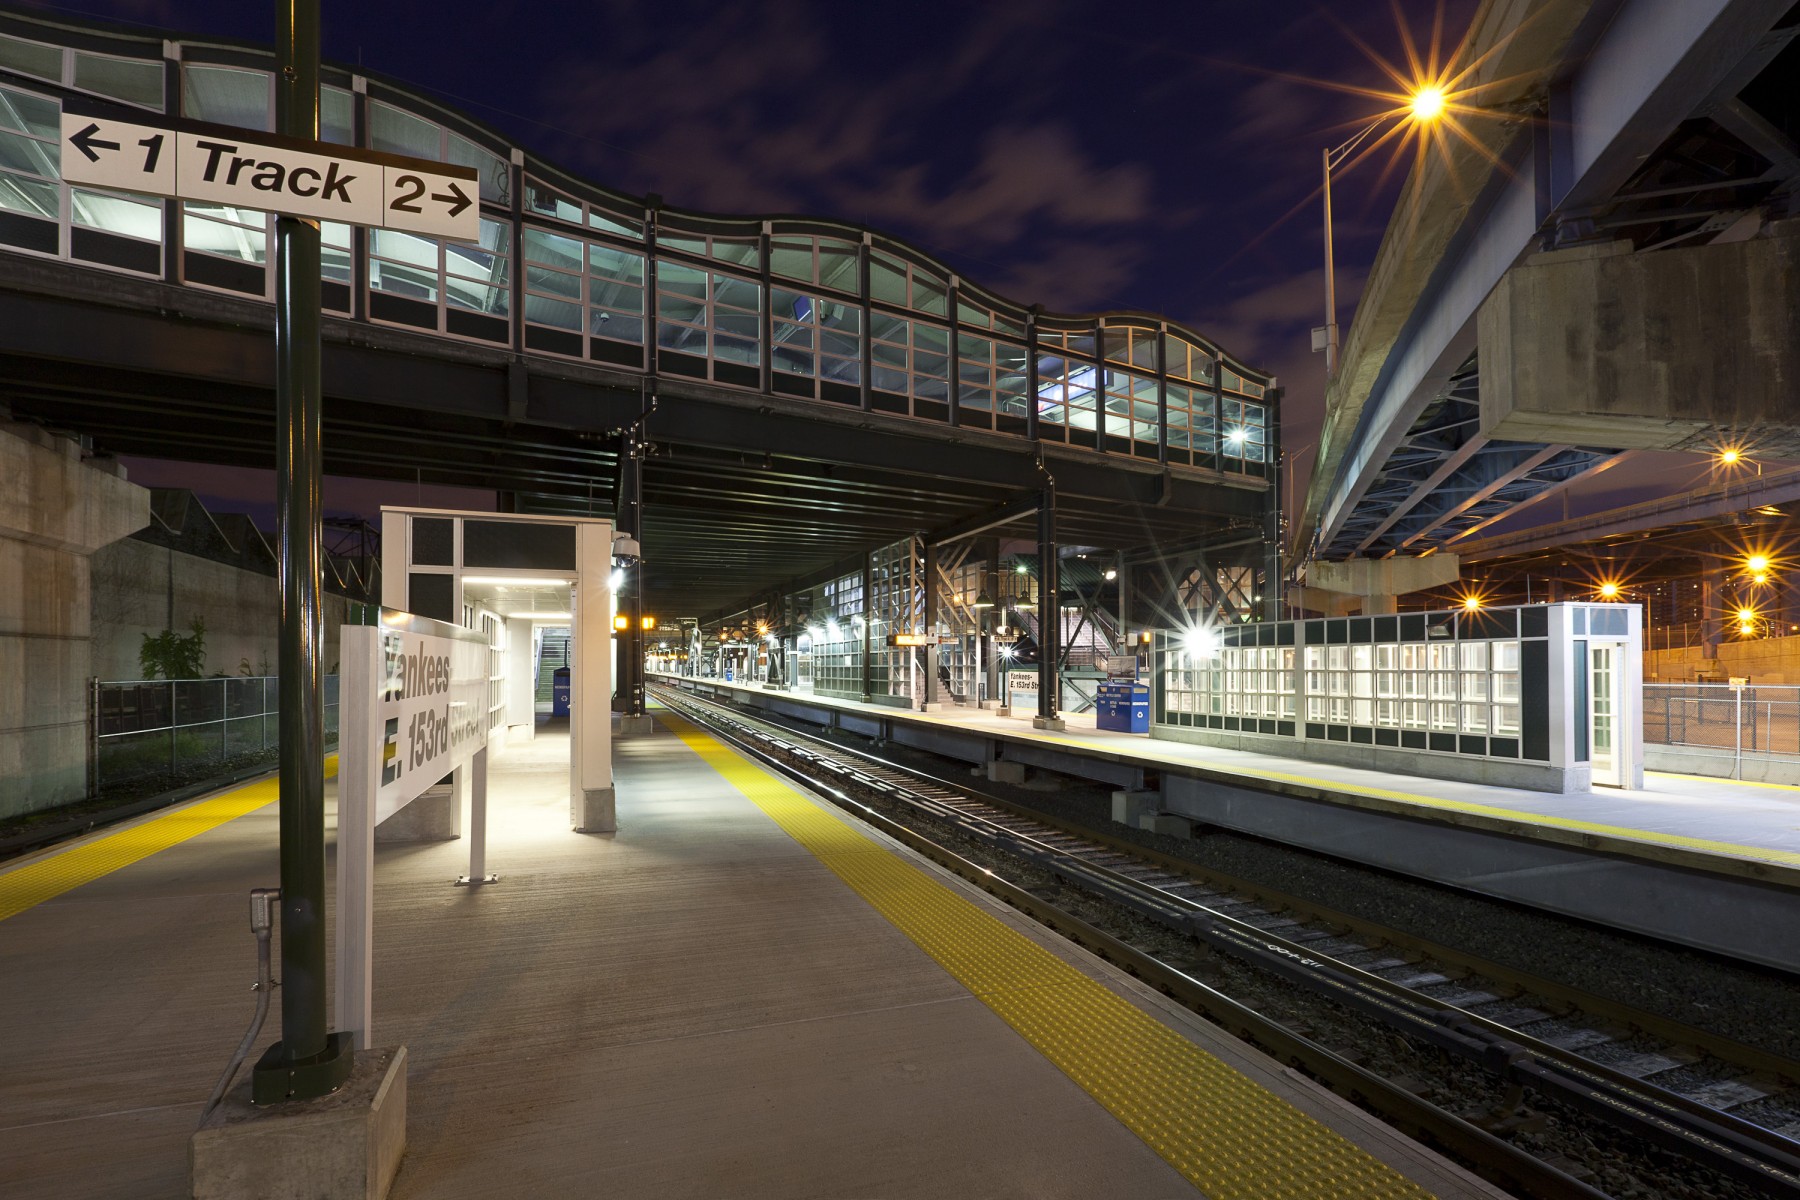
column 1603, row 713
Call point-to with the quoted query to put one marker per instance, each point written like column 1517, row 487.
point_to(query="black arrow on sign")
column 457, row 200
column 85, row 141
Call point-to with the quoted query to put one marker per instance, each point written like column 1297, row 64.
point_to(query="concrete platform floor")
column 693, row 1007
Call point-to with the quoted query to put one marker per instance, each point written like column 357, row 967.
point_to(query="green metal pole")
column 305, row 1063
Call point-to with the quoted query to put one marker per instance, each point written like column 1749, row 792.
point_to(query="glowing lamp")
column 1428, row 104
column 1609, row 590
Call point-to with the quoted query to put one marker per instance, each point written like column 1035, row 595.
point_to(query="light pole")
column 1425, row 106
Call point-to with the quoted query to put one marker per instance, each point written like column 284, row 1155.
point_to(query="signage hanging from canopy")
column 217, row 164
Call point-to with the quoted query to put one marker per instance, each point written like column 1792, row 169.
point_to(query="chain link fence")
column 1730, row 724
column 156, row 734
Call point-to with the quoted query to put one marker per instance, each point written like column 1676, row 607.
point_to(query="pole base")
column 465, row 881
column 275, row 1079
column 1054, row 724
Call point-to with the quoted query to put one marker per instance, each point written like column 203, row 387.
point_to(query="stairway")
column 553, row 652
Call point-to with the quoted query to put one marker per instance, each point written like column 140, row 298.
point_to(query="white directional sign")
column 257, row 170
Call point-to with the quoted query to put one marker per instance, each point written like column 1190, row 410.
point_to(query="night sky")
column 1080, row 155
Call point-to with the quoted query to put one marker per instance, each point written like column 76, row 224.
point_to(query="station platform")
column 1712, row 863
column 741, row 993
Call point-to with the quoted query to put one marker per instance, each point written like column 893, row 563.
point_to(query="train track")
column 1704, row 1098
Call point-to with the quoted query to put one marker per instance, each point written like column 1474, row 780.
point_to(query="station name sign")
column 218, row 164
column 430, row 712
column 921, row 639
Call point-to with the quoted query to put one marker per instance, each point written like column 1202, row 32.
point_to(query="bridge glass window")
column 980, row 317
column 893, row 281
column 1237, row 383
column 227, row 96
column 828, row 262
column 477, row 276
column 553, row 280
column 1187, row 360
column 1131, row 412
column 399, row 132
column 546, row 202
column 31, row 58
column 445, row 287
column 541, row 200
column 975, row 372
column 818, row 338
column 133, row 80
column 610, row 222
column 1067, row 399
column 494, row 175
column 30, row 173
column 615, row 294
column 1130, row 345
column 709, row 316
column 1245, row 431
column 225, row 247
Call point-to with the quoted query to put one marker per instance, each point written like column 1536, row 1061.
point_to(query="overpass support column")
column 1377, row 583
column 1049, row 618
column 632, row 718
column 929, row 596
column 55, row 511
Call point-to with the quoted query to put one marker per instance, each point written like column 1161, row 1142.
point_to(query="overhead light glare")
column 1428, row 104
column 517, row 581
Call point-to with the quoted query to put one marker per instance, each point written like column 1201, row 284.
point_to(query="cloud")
column 756, row 112
column 1025, row 172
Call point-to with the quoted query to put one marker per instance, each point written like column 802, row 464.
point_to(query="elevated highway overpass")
column 1610, row 263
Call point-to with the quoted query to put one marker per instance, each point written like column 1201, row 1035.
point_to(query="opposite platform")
column 738, row 994
column 1708, row 862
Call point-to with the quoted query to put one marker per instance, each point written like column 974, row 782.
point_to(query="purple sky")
column 1079, row 155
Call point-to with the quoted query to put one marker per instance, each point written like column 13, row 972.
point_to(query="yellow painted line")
column 64, row 870
column 1750, row 783
column 1514, row 816
column 1229, row 1136
column 1786, row 858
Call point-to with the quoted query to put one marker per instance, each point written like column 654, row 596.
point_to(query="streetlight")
column 1425, row 106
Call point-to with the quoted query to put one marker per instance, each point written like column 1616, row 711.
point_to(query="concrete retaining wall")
column 55, row 510
column 141, row 588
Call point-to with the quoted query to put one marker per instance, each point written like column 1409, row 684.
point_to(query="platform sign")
column 217, row 164
column 412, row 709
column 1022, row 689
column 430, row 714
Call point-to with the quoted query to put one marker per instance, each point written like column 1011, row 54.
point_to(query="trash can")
column 559, row 692
column 1122, row 707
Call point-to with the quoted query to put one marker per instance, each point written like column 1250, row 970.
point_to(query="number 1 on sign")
column 152, row 151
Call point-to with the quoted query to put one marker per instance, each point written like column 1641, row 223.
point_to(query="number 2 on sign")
column 404, row 202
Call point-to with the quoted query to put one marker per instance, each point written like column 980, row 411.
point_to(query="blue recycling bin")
column 1122, row 707
column 559, row 692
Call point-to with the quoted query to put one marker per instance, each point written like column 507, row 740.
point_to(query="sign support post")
column 306, row 1062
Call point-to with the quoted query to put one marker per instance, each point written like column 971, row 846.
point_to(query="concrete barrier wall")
column 1761, row 660
column 55, row 510
column 141, row 588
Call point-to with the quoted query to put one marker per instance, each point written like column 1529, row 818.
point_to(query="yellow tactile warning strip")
column 1515, row 816
column 1231, row 1138
column 64, row 870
